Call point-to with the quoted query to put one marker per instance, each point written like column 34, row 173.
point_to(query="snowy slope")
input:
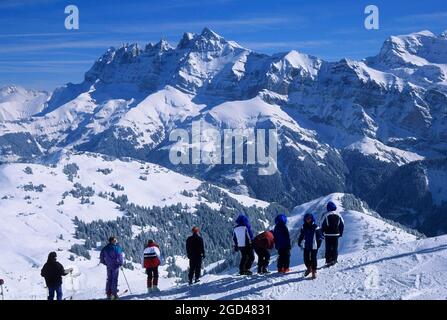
column 414, row 270
column 382, row 152
column 37, row 218
column 19, row 103
column 420, row 56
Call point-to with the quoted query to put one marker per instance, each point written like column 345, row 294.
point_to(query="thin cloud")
column 187, row 4
column 22, row 3
column 43, row 69
column 87, row 44
column 286, row 44
column 188, row 25
column 45, row 62
column 422, row 17
column 49, row 34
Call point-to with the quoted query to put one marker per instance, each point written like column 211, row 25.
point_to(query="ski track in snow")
column 414, row 270
column 377, row 261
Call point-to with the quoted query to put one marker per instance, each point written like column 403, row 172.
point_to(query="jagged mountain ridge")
column 344, row 126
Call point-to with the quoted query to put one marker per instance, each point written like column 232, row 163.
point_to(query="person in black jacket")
column 53, row 271
column 312, row 236
column 196, row 252
column 332, row 227
column 282, row 243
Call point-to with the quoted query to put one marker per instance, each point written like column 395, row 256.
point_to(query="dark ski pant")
column 310, row 259
column 247, row 258
column 112, row 281
column 283, row 259
column 195, row 265
column 263, row 259
column 331, row 254
column 55, row 290
column 152, row 277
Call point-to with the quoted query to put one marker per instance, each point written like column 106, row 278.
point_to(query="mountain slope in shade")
column 346, row 126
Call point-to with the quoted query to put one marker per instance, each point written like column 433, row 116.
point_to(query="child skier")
column 263, row 243
column 312, row 236
column 282, row 243
column 196, row 253
column 332, row 228
column 242, row 238
column 151, row 261
column 53, row 272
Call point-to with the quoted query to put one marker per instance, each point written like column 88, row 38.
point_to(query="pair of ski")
column 119, row 295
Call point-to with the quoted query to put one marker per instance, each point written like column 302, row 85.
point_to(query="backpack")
column 265, row 240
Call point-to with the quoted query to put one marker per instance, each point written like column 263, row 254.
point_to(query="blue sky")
column 37, row 51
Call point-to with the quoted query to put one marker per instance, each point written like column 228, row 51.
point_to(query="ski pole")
column 125, row 278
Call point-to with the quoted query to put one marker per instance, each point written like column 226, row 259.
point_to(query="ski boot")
column 314, row 274
column 330, row 264
column 155, row 289
column 197, row 281
column 307, row 272
column 265, row 271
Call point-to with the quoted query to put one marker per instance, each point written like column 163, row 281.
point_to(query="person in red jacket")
column 151, row 261
column 263, row 243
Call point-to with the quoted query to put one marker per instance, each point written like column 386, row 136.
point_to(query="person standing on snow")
column 195, row 251
column 263, row 243
column 113, row 258
column 151, row 261
column 312, row 236
column 242, row 238
column 332, row 228
column 282, row 243
column 53, row 272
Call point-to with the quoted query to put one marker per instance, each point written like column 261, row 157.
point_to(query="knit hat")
column 331, row 206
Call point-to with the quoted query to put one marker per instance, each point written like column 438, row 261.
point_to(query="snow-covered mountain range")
column 347, row 126
column 91, row 159
column 18, row 103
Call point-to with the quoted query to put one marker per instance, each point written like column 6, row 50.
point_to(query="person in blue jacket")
column 243, row 242
column 282, row 243
column 113, row 258
column 312, row 236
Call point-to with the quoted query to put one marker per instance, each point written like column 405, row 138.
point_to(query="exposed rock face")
column 346, row 126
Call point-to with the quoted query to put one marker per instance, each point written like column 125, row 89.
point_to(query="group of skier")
column 311, row 234
column 245, row 242
column 113, row 258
